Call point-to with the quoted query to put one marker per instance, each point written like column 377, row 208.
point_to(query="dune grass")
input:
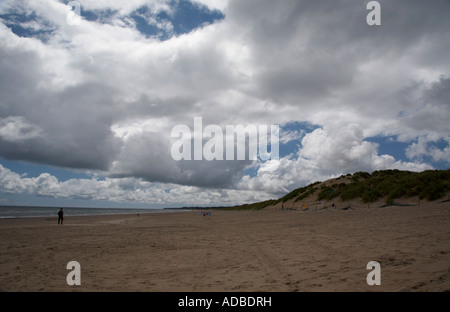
column 392, row 184
column 388, row 184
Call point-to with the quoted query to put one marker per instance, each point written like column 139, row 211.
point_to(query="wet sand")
column 238, row 251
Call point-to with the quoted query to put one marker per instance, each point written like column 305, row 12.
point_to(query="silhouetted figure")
column 60, row 216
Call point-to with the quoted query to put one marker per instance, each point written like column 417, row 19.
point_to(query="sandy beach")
column 238, row 251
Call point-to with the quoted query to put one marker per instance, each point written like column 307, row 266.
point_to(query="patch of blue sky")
column 389, row 145
column 100, row 16
column 184, row 17
column 148, row 24
column 440, row 165
column 28, row 25
column 31, row 170
column 251, row 171
column 438, row 145
column 291, row 135
column 188, row 16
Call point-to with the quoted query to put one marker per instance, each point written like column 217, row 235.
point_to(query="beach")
column 232, row 251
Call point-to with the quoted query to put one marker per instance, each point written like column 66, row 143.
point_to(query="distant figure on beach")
column 60, row 216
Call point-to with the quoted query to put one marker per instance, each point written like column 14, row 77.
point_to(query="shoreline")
column 8, row 212
column 231, row 251
column 73, row 220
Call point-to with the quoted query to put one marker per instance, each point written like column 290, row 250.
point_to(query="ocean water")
column 29, row 212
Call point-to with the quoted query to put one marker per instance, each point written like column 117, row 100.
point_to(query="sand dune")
column 314, row 250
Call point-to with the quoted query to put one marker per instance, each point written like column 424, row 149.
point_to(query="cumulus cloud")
column 423, row 148
column 288, row 136
column 17, row 128
column 123, row 190
column 104, row 95
column 326, row 153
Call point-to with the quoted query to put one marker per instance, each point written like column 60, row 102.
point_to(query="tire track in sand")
column 273, row 268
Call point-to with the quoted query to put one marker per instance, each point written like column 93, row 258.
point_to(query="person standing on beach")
column 60, row 216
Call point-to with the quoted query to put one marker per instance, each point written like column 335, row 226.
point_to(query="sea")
column 31, row 211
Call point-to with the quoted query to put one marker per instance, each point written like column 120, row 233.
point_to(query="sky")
column 88, row 100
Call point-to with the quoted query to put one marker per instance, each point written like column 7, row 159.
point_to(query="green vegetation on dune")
column 300, row 193
column 388, row 184
column 392, row 184
column 254, row 206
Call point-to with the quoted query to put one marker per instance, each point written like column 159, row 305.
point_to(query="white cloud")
column 104, row 97
column 17, row 128
column 125, row 7
column 325, row 154
column 125, row 190
column 423, row 149
column 220, row 5
column 288, row 136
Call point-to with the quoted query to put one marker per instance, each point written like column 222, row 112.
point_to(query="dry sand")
column 322, row 250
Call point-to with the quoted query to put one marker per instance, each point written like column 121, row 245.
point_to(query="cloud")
column 17, row 128
column 288, row 136
column 326, row 153
column 104, row 95
column 123, row 190
column 424, row 148
column 146, row 154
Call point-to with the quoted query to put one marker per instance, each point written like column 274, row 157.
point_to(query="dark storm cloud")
column 74, row 122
